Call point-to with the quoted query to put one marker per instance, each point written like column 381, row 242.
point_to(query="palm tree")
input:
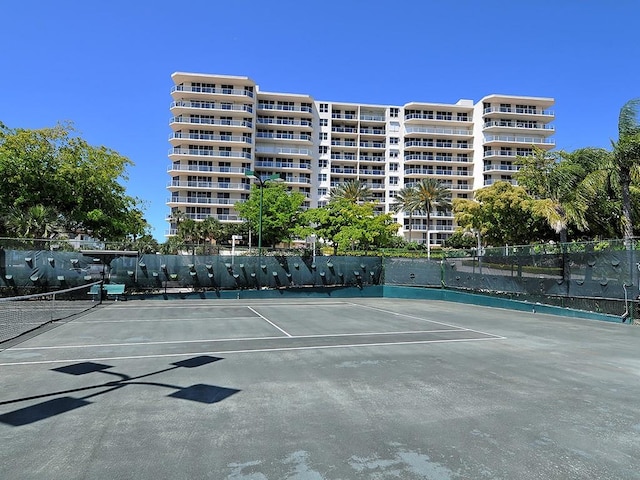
column 353, row 191
column 432, row 195
column 407, row 201
column 560, row 188
column 626, row 157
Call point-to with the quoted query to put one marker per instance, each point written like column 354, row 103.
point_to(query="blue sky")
column 107, row 65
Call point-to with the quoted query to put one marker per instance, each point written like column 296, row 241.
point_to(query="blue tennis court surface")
column 320, row 389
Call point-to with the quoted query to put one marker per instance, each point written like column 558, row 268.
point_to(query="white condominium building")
column 224, row 125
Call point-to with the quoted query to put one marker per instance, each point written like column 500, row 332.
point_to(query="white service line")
column 257, row 350
column 240, row 339
column 138, row 320
column 268, row 321
column 426, row 320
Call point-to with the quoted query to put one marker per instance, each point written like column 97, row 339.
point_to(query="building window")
column 322, row 177
column 394, row 112
column 324, row 122
column 393, row 180
column 324, row 107
column 394, row 126
column 323, row 163
column 323, row 150
column 394, row 140
column 323, row 136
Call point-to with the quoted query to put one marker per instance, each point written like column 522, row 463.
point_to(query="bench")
column 111, row 290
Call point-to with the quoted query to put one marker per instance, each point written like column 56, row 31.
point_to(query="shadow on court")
column 201, row 393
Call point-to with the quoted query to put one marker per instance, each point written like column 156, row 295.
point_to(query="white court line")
column 430, row 321
column 248, row 339
column 257, row 350
column 269, row 321
column 122, row 305
column 139, row 320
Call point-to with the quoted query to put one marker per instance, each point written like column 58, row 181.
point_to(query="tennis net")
column 19, row 315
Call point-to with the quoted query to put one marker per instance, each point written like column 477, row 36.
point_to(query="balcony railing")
column 283, row 150
column 208, row 153
column 372, row 118
column 510, row 168
column 224, row 91
column 284, row 136
column 267, row 164
column 205, row 168
column 344, row 130
column 519, row 111
column 372, row 145
column 372, row 131
column 284, row 108
column 443, row 131
column 516, row 124
column 203, row 200
column 284, row 121
column 420, row 171
column 209, row 137
column 212, row 106
column 428, row 143
column 211, row 121
column 371, row 158
column 212, row 185
column 518, row 139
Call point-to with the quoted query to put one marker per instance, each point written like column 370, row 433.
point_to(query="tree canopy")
column 280, row 212
column 55, row 183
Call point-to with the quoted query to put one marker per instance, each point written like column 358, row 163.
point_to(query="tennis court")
column 320, row 389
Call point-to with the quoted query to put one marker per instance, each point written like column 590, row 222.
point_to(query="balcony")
column 284, row 121
column 282, row 165
column 202, row 201
column 284, row 108
column 440, row 131
column 519, row 139
column 348, row 157
column 215, row 91
column 186, row 105
column 209, row 185
column 379, row 173
column 211, row 121
column 205, row 168
column 371, row 158
column 372, row 118
column 501, row 168
column 344, row 129
column 284, row 136
column 372, row 145
column 345, row 143
column 210, row 137
column 208, row 153
column 513, row 111
column 490, row 181
column 303, row 152
column 372, row 131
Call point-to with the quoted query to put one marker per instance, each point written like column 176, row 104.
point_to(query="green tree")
column 74, row 182
column 407, row 200
column 503, row 214
column 559, row 189
column 346, row 225
column 280, row 212
column 432, row 195
column 626, row 159
column 353, row 191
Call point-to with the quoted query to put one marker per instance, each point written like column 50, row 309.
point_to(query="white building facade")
column 224, row 125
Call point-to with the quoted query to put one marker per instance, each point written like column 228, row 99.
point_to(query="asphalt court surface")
column 124, row 330
column 321, row 389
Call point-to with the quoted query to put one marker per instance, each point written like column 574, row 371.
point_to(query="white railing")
column 283, row 136
column 211, row 121
column 520, row 111
column 224, row 91
column 284, row 108
column 281, row 121
column 283, row 150
column 517, row 139
column 205, row 168
column 212, row 106
column 208, row 153
column 214, row 185
column 511, row 168
column 267, row 164
column 209, row 137
column 445, row 131
column 203, row 200
column 516, row 124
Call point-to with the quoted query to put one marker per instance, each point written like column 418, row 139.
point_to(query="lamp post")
column 261, row 184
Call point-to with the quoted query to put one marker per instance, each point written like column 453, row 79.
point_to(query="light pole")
column 261, row 184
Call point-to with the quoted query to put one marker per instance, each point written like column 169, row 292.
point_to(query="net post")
column 102, row 292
